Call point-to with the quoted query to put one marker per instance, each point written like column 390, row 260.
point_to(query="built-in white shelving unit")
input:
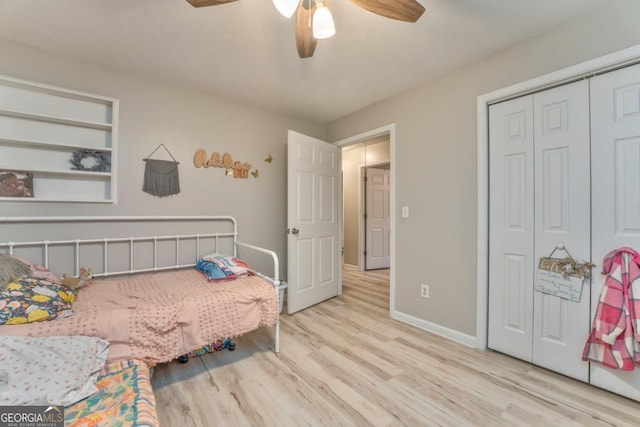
column 41, row 127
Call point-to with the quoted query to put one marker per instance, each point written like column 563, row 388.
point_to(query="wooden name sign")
column 553, row 279
column 240, row 170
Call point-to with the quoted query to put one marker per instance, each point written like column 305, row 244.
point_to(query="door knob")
column 295, row 231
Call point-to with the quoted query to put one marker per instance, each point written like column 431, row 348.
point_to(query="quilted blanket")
column 124, row 398
column 159, row 316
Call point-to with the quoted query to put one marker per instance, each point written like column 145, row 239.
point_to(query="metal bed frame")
column 77, row 244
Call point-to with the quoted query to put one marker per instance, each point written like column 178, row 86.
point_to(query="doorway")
column 359, row 214
column 359, row 153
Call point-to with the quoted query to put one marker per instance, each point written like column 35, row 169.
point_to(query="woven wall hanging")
column 161, row 176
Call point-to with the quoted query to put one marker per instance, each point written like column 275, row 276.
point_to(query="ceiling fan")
column 314, row 20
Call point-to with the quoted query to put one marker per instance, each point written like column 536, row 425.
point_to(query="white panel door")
column 615, row 142
column 562, row 216
column 378, row 222
column 313, row 248
column 511, row 227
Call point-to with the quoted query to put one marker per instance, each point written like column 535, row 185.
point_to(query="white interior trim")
column 436, row 329
column 391, row 130
column 361, row 224
column 584, row 69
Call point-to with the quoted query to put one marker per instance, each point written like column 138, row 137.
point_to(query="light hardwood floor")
column 344, row 362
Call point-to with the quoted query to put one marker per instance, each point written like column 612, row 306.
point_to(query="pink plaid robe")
column 615, row 336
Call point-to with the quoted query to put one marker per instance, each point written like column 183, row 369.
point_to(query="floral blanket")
column 124, row 398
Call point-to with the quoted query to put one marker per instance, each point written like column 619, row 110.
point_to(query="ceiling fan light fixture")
column 314, row 21
column 286, row 7
column 323, row 25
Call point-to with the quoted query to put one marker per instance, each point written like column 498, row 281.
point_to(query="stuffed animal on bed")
column 77, row 282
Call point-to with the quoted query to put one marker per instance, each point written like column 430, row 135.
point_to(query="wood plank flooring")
column 344, row 362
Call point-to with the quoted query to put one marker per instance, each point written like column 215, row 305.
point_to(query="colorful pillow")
column 219, row 268
column 11, row 268
column 30, row 299
column 231, row 266
column 211, row 270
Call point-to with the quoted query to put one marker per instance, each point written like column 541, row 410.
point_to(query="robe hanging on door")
column 615, row 337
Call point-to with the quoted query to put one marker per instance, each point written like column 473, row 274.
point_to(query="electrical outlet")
column 424, row 291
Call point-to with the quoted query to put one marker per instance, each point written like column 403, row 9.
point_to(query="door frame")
column 391, row 130
column 362, row 209
column 567, row 75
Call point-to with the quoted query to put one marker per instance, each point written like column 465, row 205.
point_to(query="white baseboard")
column 447, row 333
column 350, row 267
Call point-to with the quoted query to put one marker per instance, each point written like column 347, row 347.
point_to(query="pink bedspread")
column 160, row 316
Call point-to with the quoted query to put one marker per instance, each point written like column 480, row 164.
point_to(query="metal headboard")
column 46, row 245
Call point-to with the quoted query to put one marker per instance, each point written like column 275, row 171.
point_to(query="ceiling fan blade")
column 202, row 3
column 402, row 10
column 305, row 42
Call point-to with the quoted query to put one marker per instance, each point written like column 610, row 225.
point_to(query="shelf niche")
column 41, row 126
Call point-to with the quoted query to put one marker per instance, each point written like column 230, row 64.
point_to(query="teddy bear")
column 77, row 282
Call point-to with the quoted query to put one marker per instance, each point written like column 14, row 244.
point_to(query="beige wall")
column 153, row 112
column 435, row 152
column 436, row 158
column 352, row 160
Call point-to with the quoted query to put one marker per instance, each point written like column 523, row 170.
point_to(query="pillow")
column 211, row 270
column 55, row 370
column 11, row 268
column 38, row 271
column 231, row 266
column 30, row 299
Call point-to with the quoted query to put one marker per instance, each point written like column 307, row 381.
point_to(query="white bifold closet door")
column 615, row 141
column 562, row 216
column 539, row 198
column 511, row 228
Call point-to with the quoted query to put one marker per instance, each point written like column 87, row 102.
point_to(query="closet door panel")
column 562, row 203
column 511, row 227
column 615, row 140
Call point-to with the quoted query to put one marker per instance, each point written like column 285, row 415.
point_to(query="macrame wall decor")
column 161, row 176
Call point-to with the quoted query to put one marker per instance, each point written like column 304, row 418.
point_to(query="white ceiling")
column 246, row 50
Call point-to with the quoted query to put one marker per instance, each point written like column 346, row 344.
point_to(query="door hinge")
column 365, row 178
column 365, row 216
